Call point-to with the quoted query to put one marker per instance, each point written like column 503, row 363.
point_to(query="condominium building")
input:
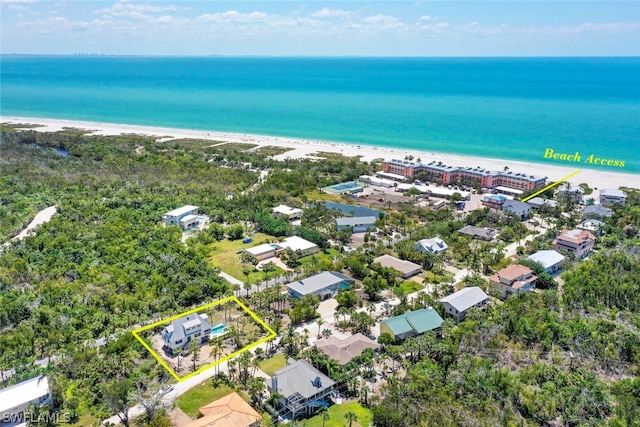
column 476, row 177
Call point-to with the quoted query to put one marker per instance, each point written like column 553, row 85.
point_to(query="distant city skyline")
column 322, row 28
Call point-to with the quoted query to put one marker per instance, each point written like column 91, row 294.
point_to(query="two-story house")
column 459, row 303
column 181, row 331
column 578, row 242
column 513, row 280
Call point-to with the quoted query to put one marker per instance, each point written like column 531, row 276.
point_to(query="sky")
column 322, row 28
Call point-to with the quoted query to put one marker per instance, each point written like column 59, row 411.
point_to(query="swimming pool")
column 218, row 330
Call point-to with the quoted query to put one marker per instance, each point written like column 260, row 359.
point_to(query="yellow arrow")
column 551, row 185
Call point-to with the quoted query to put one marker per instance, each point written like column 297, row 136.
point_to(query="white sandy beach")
column 303, row 147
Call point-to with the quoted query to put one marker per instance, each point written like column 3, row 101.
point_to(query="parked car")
column 167, row 388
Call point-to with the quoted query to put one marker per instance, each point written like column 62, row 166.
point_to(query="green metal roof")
column 420, row 321
column 423, row 320
column 398, row 325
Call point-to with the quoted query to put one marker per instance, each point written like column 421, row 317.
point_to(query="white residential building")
column 325, row 285
column 458, row 303
column 287, row 212
column 186, row 217
column 264, row 251
column 181, row 331
column 434, row 245
column 270, row 250
column 296, row 243
column 574, row 192
column 359, row 224
column 611, row 197
column 16, row 399
column 550, row 260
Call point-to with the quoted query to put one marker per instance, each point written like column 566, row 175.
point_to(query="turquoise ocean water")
column 510, row 108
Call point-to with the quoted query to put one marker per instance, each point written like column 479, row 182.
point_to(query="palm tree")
column 216, row 352
column 255, row 364
column 351, row 417
column 364, row 394
column 371, row 308
column 320, row 322
column 325, row 415
column 194, row 349
column 326, row 333
column 255, row 387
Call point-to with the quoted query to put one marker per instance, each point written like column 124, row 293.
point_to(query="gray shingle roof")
column 318, row 282
column 356, row 220
column 465, row 298
column 301, row 377
column 472, row 230
column 516, row 206
column 400, row 265
column 177, row 328
column 612, row 192
column 345, row 350
column 597, row 210
column 546, row 258
column 435, row 244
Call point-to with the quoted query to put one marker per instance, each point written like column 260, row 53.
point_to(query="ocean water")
column 510, row 108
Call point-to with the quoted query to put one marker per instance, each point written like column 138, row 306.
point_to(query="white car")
column 167, row 388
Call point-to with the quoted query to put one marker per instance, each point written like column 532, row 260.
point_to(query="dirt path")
column 40, row 218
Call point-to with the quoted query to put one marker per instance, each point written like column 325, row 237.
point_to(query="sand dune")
column 304, row 147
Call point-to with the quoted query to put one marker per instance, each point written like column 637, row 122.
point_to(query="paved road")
column 229, row 278
column 510, row 250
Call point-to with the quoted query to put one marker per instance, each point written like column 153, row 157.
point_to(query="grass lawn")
column 86, row 420
column 325, row 256
column 271, row 365
column 224, row 255
column 316, row 196
column 337, row 419
column 191, row 401
column 437, row 278
column 409, row 286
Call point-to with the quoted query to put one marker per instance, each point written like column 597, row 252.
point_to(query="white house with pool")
column 186, row 217
column 182, row 331
column 324, row 285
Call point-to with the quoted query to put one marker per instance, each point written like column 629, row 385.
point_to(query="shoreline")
column 300, row 147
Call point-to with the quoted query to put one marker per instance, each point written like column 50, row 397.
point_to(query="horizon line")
column 82, row 54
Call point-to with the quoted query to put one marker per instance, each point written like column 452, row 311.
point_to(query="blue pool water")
column 218, row 330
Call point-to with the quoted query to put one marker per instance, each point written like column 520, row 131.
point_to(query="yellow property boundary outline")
column 272, row 334
column 552, row 185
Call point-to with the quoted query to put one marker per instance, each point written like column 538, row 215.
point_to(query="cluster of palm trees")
column 326, row 416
